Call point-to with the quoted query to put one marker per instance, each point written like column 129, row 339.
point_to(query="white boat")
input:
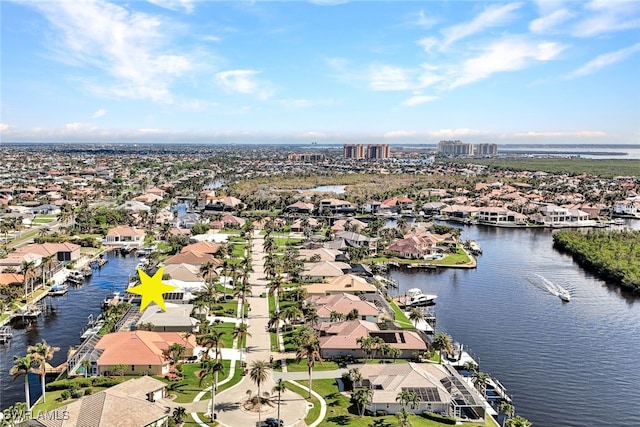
column 58, row 290
column 75, row 277
column 564, row 295
column 112, row 298
column 417, row 298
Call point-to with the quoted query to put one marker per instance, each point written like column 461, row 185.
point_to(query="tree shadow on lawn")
column 341, row 420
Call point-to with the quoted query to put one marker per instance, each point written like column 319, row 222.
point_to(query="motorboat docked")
column 112, row 298
column 474, row 247
column 75, row 277
column 58, row 290
column 86, row 271
column 416, row 298
column 93, row 327
column 564, row 295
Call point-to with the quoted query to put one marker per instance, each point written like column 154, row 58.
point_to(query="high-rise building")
column 354, row 151
column 486, row 149
column 378, row 151
column 455, row 148
column 371, row 151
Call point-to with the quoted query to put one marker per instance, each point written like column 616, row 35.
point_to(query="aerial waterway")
column 62, row 324
column 566, row 365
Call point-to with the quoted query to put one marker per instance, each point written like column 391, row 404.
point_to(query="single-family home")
column 336, row 206
column 344, row 304
column 347, row 283
column 300, row 208
column 125, row 236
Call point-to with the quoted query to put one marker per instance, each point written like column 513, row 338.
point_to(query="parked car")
column 271, row 422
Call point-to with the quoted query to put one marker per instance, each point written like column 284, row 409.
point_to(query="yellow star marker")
column 152, row 289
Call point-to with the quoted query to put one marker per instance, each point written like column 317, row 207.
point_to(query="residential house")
column 299, row 225
column 192, row 257
column 187, row 220
column 300, row 208
column 401, row 205
column 148, row 198
column 335, row 206
column 371, row 207
column 556, row 216
column 341, row 339
column 494, row 215
column 64, row 252
column 357, row 240
column 461, row 212
column 413, row 246
column 439, row 387
column 344, row 303
column 133, row 403
column 205, row 247
column 177, row 318
column 323, row 269
column 16, row 260
column 350, row 224
column 125, row 236
column 222, row 203
column 47, row 209
column 231, row 221
column 322, row 254
column 134, row 206
column 143, row 352
column 347, row 283
column 627, row 208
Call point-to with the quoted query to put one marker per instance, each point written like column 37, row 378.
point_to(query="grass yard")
column 226, row 329
column 314, row 412
column 340, row 412
column 401, row 318
column 302, row 366
column 460, row 257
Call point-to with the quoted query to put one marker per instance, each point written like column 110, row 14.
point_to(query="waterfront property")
column 125, row 236
column 440, row 389
column 134, row 403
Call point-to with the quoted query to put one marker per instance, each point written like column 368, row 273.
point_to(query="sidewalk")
column 293, row 407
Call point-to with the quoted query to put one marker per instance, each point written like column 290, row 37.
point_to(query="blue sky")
column 325, row 71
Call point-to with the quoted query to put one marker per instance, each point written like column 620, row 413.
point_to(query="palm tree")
column 355, row 376
column 291, row 314
column 211, row 368
column 480, row 380
column 28, row 271
column 179, row 413
column 241, row 332
column 46, row 264
column 408, row 398
column 403, row 417
column 40, row 354
column 208, row 271
column 86, row 365
column 274, row 320
column 309, row 350
column 507, row 409
column 518, row 422
column 394, row 353
column 442, row 342
column 213, row 339
column 176, row 352
column 416, row 315
column 276, row 286
column 280, row 388
column 361, row 397
column 259, row 372
column 22, row 366
column 470, row 366
column 336, row 316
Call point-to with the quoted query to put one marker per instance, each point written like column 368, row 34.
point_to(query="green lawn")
column 401, row 318
column 460, row 257
column 314, row 412
column 228, row 308
column 226, row 329
column 302, row 366
column 340, row 412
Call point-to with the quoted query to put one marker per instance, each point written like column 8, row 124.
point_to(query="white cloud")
column 548, row 23
column 244, row 81
column 313, row 135
column 80, row 127
column 400, row 134
column 454, row 133
column 386, row 77
column 132, row 48
column 418, row 99
column 556, row 134
column 424, row 21
column 175, row 5
column 4, row 127
column 510, row 54
column 428, row 43
column 608, row 16
column 604, row 61
column 100, row 113
column 493, row 16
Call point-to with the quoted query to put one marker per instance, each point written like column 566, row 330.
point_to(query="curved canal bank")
column 566, row 364
column 62, row 326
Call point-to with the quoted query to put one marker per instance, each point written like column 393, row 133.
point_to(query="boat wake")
column 548, row 286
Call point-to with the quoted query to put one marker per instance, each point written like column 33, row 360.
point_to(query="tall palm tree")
column 507, row 409
column 259, row 372
column 22, row 366
column 442, row 342
column 355, row 376
column 276, row 286
column 408, row 398
column 86, row 365
column 518, row 422
column 28, row 271
column 416, row 315
column 40, row 353
column 211, row 368
column 212, row 339
column 208, row 271
column 176, row 352
column 480, row 380
column 45, row 267
column 241, row 332
column 310, row 350
column 274, row 320
column 403, row 417
column 280, row 388
column 361, row 397
column 336, row 316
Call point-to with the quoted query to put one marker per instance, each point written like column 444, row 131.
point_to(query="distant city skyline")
column 329, row 71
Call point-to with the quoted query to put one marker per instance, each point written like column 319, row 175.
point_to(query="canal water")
column 61, row 326
column 566, row 364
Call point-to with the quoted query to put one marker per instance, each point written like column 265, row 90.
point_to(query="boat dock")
column 6, row 333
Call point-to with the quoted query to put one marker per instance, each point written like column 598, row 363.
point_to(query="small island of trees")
column 613, row 255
